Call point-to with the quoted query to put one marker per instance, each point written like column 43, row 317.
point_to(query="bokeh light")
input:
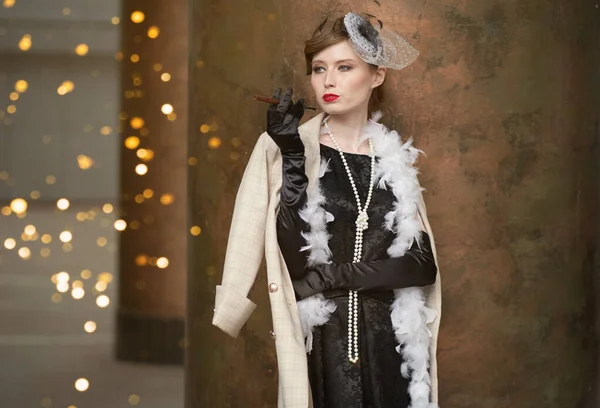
column 100, row 286
column 63, row 204
column 141, row 169
column 84, row 162
column 82, row 384
column 82, row 49
column 162, row 262
column 166, row 108
column 153, row 31
column 102, row 301
column 105, row 277
column 167, row 199
column 62, row 287
column 10, row 243
column 78, row 293
column 141, row 260
column 21, row 86
column 24, row 253
column 25, row 42
column 214, row 142
column 65, row 236
column 145, row 154
column 18, row 205
column 120, row 225
column 136, row 122
column 62, row 277
column 65, row 88
column 89, row 326
column 137, row 17
column 132, row 142
column 133, row 399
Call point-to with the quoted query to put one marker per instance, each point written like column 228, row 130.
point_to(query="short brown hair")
column 328, row 33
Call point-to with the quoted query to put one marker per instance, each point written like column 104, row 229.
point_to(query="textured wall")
column 502, row 100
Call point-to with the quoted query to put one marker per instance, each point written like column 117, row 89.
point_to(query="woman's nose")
column 329, row 79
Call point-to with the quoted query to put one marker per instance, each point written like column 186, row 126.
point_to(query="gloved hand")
column 415, row 268
column 283, row 121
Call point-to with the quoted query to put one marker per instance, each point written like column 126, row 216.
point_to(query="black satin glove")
column 283, row 121
column 282, row 126
column 415, row 268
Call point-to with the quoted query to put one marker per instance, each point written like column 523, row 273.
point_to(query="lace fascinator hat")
column 375, row 45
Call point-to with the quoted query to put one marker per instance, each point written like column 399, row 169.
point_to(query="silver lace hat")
column 382, row 47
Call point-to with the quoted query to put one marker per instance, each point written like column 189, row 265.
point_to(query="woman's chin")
column 333, row 109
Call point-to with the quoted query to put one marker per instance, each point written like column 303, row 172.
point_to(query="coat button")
column 273, row 287
column 272, row 334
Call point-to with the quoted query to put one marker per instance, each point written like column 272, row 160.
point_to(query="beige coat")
column 253, row 234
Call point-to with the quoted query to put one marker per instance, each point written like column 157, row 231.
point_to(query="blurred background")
column 126, row 126
column 91, row 296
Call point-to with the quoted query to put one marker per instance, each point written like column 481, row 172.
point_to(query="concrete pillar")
column 152, row 253
column 503, row 100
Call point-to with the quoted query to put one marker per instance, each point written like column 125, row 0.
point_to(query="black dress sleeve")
column 289, row 223
column 415, row 268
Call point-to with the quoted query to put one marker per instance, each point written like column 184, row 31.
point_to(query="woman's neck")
column 347, row 129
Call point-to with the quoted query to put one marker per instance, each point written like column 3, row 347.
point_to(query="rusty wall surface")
column 503, row 101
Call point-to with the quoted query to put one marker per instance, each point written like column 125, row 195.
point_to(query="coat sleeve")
column 245, row 247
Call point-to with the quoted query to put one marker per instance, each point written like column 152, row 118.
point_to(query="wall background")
column 504, row 101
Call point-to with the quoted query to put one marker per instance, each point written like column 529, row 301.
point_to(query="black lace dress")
column 375, row 381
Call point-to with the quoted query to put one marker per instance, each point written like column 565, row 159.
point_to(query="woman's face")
column 342, row 81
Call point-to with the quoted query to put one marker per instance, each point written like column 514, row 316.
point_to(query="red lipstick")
column 330, row 97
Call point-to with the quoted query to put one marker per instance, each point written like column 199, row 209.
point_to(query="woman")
column 354, row 236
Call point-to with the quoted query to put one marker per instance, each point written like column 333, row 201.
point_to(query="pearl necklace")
column 362, row 223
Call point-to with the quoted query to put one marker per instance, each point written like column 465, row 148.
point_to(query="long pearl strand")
column 362, row 223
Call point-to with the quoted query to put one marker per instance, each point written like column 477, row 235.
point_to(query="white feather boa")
column 409, row 314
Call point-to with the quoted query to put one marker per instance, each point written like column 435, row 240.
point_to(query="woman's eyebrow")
column 337, row 62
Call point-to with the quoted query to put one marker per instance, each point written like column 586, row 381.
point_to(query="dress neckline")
column 345, row 153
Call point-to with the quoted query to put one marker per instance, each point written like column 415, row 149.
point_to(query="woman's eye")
column 345, row 68
column 318, row 69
